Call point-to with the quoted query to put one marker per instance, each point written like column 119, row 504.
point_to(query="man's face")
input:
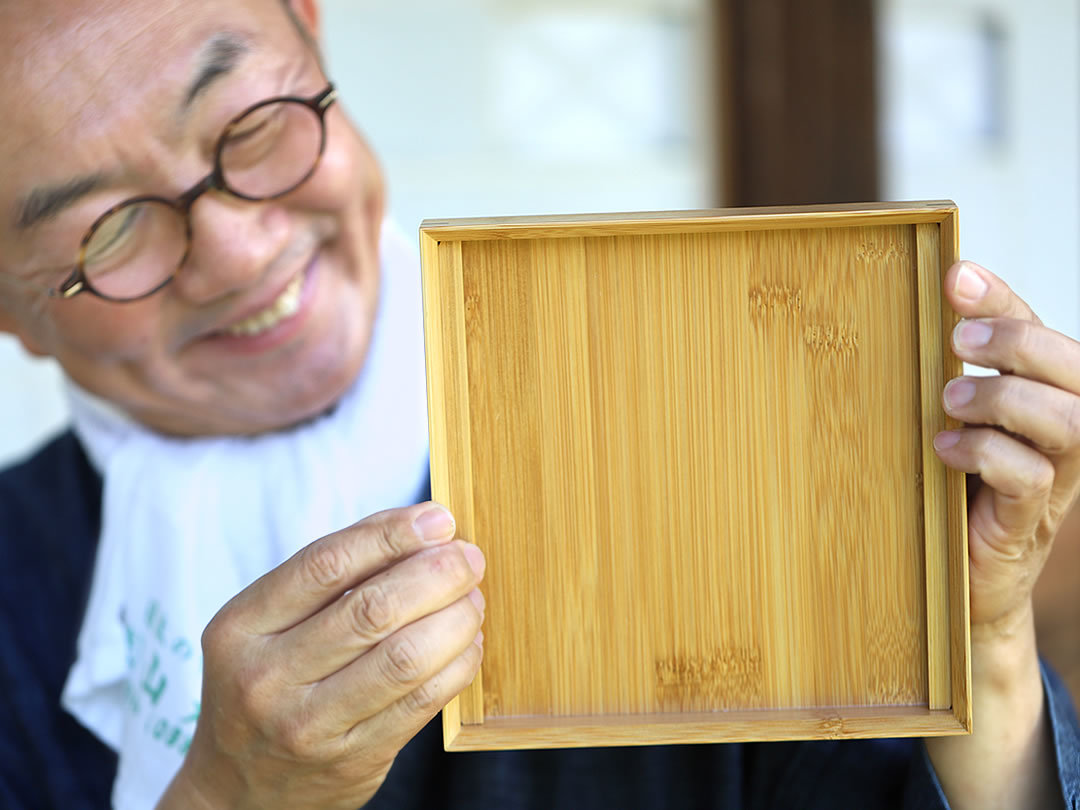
column 134, row 93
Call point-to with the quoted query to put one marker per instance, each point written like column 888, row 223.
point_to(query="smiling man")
column 189, row 615
column 137, row 107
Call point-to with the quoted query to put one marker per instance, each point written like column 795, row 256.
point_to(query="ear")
column 309, row 15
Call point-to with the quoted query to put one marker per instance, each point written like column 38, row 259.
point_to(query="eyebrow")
column 219, row 57
column 45, row 202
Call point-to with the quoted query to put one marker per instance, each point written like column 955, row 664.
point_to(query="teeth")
column 286, row 305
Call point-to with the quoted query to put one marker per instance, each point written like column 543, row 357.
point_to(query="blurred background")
column 484, row 108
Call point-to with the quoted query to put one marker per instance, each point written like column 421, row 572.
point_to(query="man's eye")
column 259, row 125
column 112, row 234
column 247, row 133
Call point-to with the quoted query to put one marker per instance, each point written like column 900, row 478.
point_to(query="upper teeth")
column 286, row 305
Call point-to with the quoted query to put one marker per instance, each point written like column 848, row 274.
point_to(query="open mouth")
column 282, row 308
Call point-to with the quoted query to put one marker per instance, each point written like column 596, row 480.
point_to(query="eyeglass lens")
column 267, row 153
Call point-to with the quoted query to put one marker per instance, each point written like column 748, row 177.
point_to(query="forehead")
column 73, row 68
column 56, row 48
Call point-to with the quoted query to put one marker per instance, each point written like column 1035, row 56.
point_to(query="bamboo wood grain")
column 693, row 458
column 931, row 361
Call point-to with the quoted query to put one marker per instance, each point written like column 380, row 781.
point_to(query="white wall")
column 31, row 404
column 982, row 105
column 483, row 108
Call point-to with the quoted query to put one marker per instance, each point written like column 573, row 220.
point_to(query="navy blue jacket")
column 49, row 522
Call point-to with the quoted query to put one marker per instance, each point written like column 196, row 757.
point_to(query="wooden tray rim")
column 704, row 220
column 849, row 723
column 948, row 648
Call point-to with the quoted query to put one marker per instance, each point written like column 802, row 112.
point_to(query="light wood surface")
column 694, row 448
column 928, row 249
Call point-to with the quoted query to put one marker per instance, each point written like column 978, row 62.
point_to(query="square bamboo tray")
column 696, row 448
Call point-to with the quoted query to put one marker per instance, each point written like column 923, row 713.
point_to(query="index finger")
column 975, row 292
column 321, row 572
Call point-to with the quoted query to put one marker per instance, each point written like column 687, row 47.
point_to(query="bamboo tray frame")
column 598, row 635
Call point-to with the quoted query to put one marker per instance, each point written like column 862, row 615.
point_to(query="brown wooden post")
column 797, row 105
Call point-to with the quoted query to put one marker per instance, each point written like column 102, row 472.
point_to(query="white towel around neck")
column 189, row 523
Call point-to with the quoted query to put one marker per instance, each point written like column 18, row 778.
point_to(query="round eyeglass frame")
column 78, row 282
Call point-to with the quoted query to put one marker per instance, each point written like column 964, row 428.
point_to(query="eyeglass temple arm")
column 69, row 289
column 327, row 98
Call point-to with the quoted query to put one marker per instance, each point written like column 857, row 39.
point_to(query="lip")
column 280, row 333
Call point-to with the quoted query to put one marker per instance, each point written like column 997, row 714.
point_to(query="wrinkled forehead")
column 106, row 86
column 71, row 65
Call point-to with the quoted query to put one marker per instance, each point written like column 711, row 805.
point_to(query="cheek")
column 100, row 332
column 347, row 176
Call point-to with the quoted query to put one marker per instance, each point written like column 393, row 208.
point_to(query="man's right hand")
column 316, row 675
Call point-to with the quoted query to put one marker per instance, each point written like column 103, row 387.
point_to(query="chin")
column 317, row 388
column 322, row 400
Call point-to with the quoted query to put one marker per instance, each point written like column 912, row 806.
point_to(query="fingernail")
column 475, row 557
column 478, row 600
column 972, row 334
column 479, row 640
column 959, row 392
column 943, row 441
column 970, row 285
column 435, row 524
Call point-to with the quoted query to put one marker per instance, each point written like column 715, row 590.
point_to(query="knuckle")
column 327, row 563
column 405, row 663
column 1005, row 394
column 257, row 692
column 982, row 443
column 215, row 637
column 371, row 610
column 432, row 695
column 424, row 699
column 1040, row 476
column 391, row 531
column 1056, row 511
column 387, row 536
column 474, row 656
column 1071, row 423
column 1026, row 338
column 297, row 736
column 472, row 618
column 223, row 636
column 450, row 565
column 1006, row 401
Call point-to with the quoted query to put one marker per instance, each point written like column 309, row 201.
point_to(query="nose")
column 233, row 244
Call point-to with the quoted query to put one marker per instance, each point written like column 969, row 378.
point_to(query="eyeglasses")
column 136, row 247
